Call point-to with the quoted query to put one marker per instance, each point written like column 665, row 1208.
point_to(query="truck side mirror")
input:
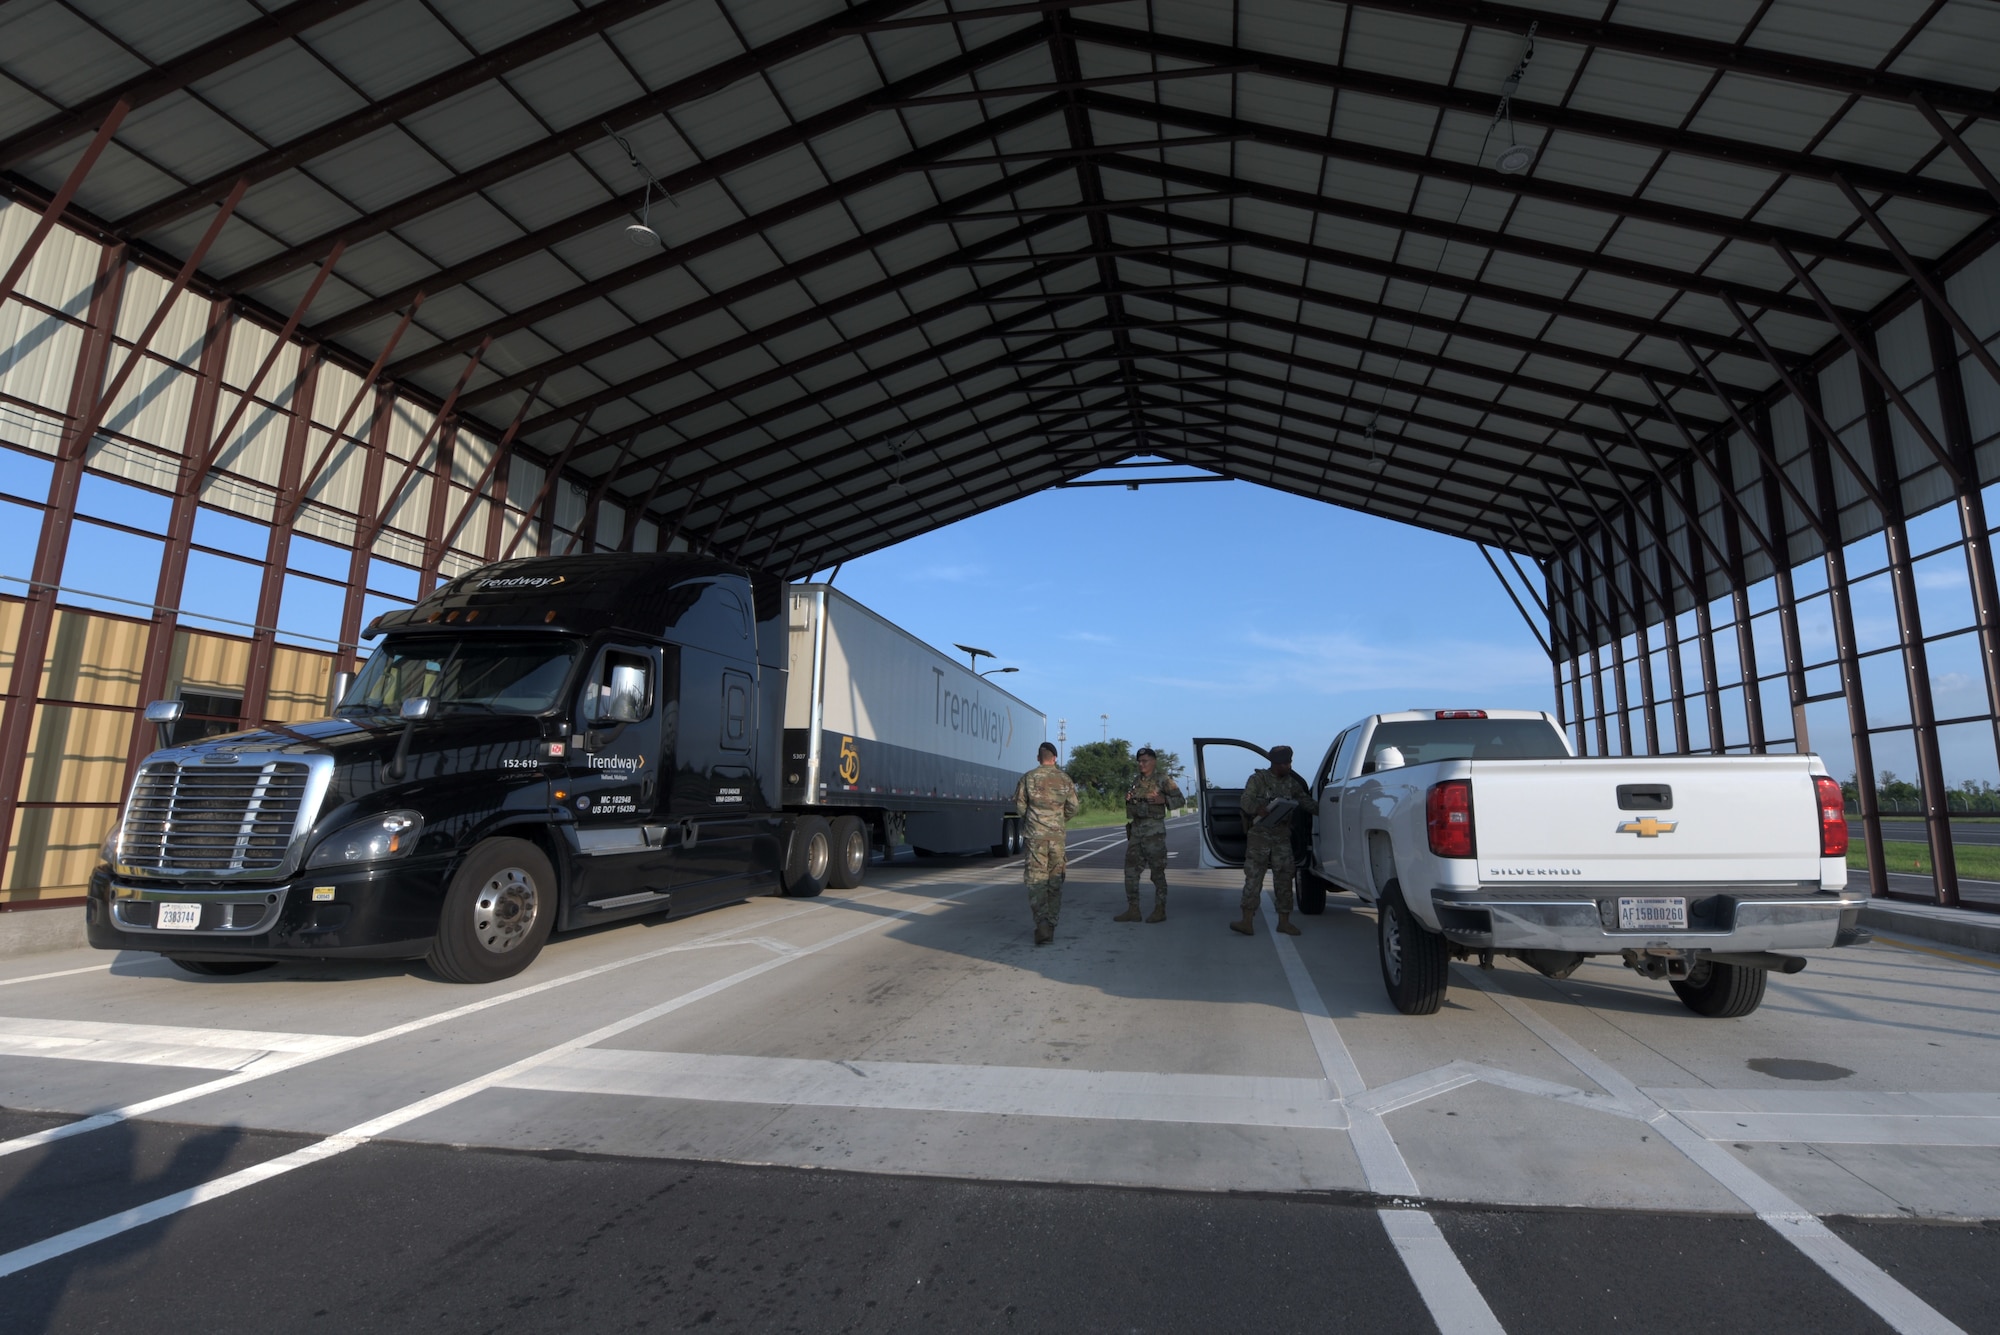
column 1388, row 757
column 165, row 713
column 417, row 707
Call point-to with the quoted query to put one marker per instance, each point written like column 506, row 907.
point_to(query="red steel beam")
column 59, row 201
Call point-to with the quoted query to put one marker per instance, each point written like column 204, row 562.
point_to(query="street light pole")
column 990, row 671
column 972, row 655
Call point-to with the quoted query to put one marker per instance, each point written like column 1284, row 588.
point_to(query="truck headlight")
column 109, row 851
column 390, row 835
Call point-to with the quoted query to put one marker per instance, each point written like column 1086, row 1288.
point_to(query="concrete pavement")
column 887, row 1109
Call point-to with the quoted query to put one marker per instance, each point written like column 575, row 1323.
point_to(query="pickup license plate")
column 178, row 917
column 1638, row 914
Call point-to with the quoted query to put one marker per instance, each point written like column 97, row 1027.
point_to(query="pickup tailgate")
column 1734, row 820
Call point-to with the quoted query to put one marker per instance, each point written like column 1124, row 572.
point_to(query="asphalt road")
column 886, row 1110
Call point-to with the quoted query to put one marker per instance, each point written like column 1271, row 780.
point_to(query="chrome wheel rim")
column 854, row 855
column 504, row 910
column 1392, row 945
column 817, row 856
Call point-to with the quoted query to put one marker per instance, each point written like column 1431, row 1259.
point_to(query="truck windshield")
column 1426, row 740
column 496, row 676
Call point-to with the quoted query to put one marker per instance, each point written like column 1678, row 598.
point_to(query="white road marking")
column 274, row 1064
column 1454, row 1301
column 1900, row 1308
column 59, row 973
column 153, row 1044
column 1412, row 1089
column 1836, row 1117
column 999, row 1091
column 360, row 1134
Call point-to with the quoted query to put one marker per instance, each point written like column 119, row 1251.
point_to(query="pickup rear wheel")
column 1721, row 991
column 498, row 910
column 849, row 863
column 810, row 857
column 1415, row 960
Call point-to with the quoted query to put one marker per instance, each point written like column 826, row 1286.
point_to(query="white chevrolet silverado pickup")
column 1476, row 833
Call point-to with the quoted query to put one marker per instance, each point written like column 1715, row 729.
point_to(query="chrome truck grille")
column 195, row 818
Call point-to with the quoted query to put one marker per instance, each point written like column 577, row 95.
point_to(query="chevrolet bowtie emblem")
column 1647, row 828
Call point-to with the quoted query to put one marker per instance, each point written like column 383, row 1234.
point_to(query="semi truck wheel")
column 498, row 911
column 222, row 968
column 809, row 858
column 1415, row 960
column 850, row 853
column 1721, row 991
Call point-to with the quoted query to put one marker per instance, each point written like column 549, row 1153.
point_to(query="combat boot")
column 1044, row 934
column 1285, row 925
column 1131, row 913
column 1159, row 909
column 1247, row 924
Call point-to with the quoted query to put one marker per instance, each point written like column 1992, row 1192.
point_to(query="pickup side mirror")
column 1388, row 757
column 418, row 707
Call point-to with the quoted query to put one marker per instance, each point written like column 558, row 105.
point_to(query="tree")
column 1103, row 768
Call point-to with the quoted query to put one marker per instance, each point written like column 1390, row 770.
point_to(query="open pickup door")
column 1223, row 838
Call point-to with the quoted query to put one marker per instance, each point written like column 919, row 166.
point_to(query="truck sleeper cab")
column 1477, row 834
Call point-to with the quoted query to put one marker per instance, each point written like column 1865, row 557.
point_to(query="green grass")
column 1980, row 862
column 1097, row 812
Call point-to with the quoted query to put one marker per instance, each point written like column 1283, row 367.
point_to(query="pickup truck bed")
column 1476, row 834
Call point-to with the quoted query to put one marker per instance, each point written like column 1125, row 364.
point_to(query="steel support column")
column 278, row 544
column 165, row 622
column 364, row 541
column 1972, row 517
column 38, row 614
column 1663, row 599
column 1676, row 683
column 1843, row 637
column 1739, row 604
column 1910, row 641
column 1788, row 607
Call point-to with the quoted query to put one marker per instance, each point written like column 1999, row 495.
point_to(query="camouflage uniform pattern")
column 1046, row 799
column 1146, row 834
column 1270, row 846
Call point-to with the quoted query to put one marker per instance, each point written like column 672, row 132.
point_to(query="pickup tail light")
column 1832, row 818
column 1461, row 713
column 1448, row 818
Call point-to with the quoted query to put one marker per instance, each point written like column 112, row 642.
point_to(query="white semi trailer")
column 894, row 742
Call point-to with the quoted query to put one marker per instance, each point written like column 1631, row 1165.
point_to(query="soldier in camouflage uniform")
column 1270, row 846
column 1147, row 803
column 1046, row 800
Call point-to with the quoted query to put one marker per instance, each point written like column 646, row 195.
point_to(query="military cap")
column 1046, row 749
column 1145, row 751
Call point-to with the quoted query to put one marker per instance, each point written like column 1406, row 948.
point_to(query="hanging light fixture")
column 640, row 233
column 1517, row 157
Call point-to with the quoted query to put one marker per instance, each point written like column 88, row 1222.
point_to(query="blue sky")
column 1219, row 609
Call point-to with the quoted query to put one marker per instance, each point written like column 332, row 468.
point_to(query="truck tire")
column 1312, row 892
column 1721, row 991
column 809, row 859
column 498, row 910
column 849, row 861
column 1415, row 960
column 222, row 968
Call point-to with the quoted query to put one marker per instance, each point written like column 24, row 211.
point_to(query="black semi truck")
column 558, row 742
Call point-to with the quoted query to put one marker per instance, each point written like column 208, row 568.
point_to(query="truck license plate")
column 178, row 917
column 1639, row 914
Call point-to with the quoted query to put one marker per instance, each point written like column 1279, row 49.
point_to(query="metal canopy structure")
column 1656, row 299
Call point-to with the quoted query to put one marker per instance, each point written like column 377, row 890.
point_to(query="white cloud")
column 1331, row 664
